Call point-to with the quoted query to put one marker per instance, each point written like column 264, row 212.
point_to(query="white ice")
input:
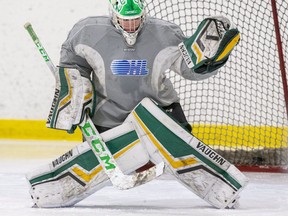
column 266, row 194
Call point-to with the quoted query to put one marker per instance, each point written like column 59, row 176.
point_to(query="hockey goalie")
column 111, row 83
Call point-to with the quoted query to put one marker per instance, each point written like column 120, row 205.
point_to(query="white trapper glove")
column 210, row 46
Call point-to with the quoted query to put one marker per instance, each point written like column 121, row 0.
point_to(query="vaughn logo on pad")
column 129, row 67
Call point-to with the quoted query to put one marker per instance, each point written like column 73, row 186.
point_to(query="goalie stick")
column 98, row 146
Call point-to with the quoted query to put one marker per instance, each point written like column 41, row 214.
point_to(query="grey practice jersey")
column 124, row 75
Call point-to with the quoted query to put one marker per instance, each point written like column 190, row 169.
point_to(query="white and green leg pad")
column 197, row 166
column 78, row 174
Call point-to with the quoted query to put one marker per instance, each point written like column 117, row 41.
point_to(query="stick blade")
column 126, row 182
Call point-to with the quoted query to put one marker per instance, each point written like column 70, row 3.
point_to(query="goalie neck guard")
column 128, row 16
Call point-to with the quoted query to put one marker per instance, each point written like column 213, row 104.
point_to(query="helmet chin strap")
column 130, row 38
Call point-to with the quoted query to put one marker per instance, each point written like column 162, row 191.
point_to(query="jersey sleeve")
column 180, row 67
column 69, row 59
column 68, row 56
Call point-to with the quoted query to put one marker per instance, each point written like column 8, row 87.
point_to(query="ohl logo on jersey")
column 129, row 67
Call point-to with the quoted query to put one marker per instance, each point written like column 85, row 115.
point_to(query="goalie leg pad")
column 78, row 174
column 197, row 166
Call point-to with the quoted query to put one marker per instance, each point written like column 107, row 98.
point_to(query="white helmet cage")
column 129, row 26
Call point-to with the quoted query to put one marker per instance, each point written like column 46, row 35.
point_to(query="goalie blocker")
column 74, row 96
column 153, row 136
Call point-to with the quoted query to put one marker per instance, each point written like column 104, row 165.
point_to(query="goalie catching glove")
column 74, row 96
column 210, row 46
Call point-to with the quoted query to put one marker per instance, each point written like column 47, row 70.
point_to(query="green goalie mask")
column 128, row 16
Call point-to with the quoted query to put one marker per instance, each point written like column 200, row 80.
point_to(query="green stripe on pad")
column 88, row 160
column 175, row 145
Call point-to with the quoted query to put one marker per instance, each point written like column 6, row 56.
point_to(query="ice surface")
column 266, row 194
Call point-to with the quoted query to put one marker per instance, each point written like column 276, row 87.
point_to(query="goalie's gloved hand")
column 74, row 97
column 210, row 46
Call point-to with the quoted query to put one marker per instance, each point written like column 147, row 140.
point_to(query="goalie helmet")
column 128, row 16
